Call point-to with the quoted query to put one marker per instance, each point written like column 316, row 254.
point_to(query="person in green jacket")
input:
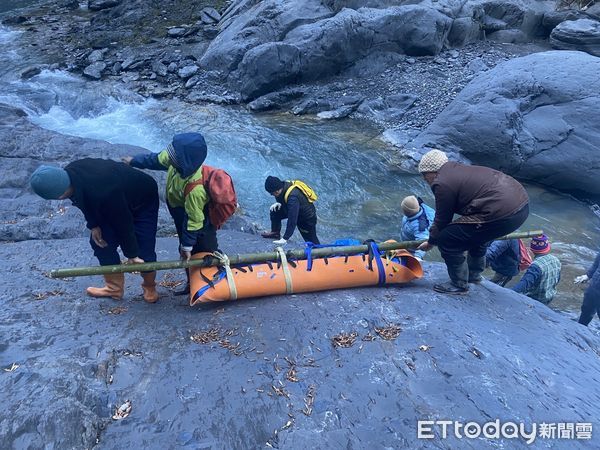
column 186, row 197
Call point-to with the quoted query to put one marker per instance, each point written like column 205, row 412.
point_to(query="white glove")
column 275, row 207
column 280, row 242
column 581, row 279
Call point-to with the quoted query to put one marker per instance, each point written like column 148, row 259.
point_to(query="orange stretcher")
column 213, row 284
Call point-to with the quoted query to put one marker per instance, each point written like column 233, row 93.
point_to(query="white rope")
column 224, row 261
column 289, row 288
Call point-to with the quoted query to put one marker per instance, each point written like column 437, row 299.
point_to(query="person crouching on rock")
column 416, row 222
column 591, row 296
column 490, row 203
column 543, row 275
column 294, row 201
column 120, row 206
column 504, row 257
column 187, row 199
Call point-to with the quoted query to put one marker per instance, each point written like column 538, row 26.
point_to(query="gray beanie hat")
column 432, row 161
column 50, row 182
column 410, row 206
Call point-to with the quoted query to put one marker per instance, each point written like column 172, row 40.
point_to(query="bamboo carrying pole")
column 251, row 258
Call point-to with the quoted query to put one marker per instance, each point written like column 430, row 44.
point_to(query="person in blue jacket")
column 417, row 219
column 591, row 297
column 503, row 257
column 543, row 275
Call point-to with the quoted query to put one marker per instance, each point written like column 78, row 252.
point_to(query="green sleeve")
column 194, row 207
column 163, row 159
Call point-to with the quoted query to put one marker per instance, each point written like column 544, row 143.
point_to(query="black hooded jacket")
column 299, row 210
column 109, row 193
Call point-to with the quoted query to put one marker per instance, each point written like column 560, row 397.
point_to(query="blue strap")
column 377, row 256
column 205, row 288
column 308, row 253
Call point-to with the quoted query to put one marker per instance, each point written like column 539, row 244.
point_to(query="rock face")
column 534, row 117
column 268, row 371
column 582, row 34
column 324, row 48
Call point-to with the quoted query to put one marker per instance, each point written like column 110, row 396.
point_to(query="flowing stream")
column 359, row 193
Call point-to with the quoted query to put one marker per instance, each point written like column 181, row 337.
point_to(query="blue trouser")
column 145, row 224
column 591, row 303
column 206, row 239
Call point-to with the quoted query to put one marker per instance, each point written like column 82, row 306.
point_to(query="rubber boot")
column 476, row 265
column 458, row 271
column 115, row 285
column 149, row 287
column 186, row 289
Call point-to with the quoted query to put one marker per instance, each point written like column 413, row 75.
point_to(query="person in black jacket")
column 291, row 203
column 120, row 205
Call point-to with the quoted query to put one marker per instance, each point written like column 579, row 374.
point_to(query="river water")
column 359, row 193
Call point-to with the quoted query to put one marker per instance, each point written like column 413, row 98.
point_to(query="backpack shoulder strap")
column 191, row 185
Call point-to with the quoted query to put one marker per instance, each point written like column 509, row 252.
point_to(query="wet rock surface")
column 533, row 117
column 252, row 372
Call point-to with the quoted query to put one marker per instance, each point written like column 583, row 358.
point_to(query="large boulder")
column 324, row 48
column 267, row 21
column 534, row 117
column 239, row 375
column 581, row 34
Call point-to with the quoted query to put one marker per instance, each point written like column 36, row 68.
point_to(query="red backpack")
column 221, row 193
column 526, row 259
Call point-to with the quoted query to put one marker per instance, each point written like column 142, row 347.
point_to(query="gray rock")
column 192, row 81
column 129, row 62
column 176, row 31
column 553, row 18
column 95, row 56
column 534, row 117
column 392, row 107
column 274, row 100
column 187, row 71
column 477, row 65
column 202, row 97
column 323, row 48
column 30, row 71
column 339, row 113
column 116, row 68
column 160, row 69
column 265, row 21
column 374, row 64
column 172, row 68
column 98, row 5
column 209, row 16
column 509, row 37
column 464, row 31
column 95, row 70
column 582, row 34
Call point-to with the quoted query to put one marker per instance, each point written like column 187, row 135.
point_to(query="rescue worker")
column 591, row 296
column 491, row 204
column 543, row 275
column 417, row 219
column 120, row 206
column 504, row 257
column 186, row 197
column 294, row 201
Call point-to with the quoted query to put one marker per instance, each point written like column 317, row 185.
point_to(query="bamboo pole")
column 251, row 258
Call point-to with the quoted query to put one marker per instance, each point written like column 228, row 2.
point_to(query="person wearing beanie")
column 490, row 203
column 294, row 201
column 591, row 296
column 541, row 278
column 186, row 197
column 417, row 219
column 120, row 206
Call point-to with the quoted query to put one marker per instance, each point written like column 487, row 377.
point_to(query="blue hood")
column 188, row 153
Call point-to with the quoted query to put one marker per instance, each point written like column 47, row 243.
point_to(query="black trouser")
column 307, row 228
column 458, row 238
column 590, row 305
column 144, row 223
column 207, row 239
